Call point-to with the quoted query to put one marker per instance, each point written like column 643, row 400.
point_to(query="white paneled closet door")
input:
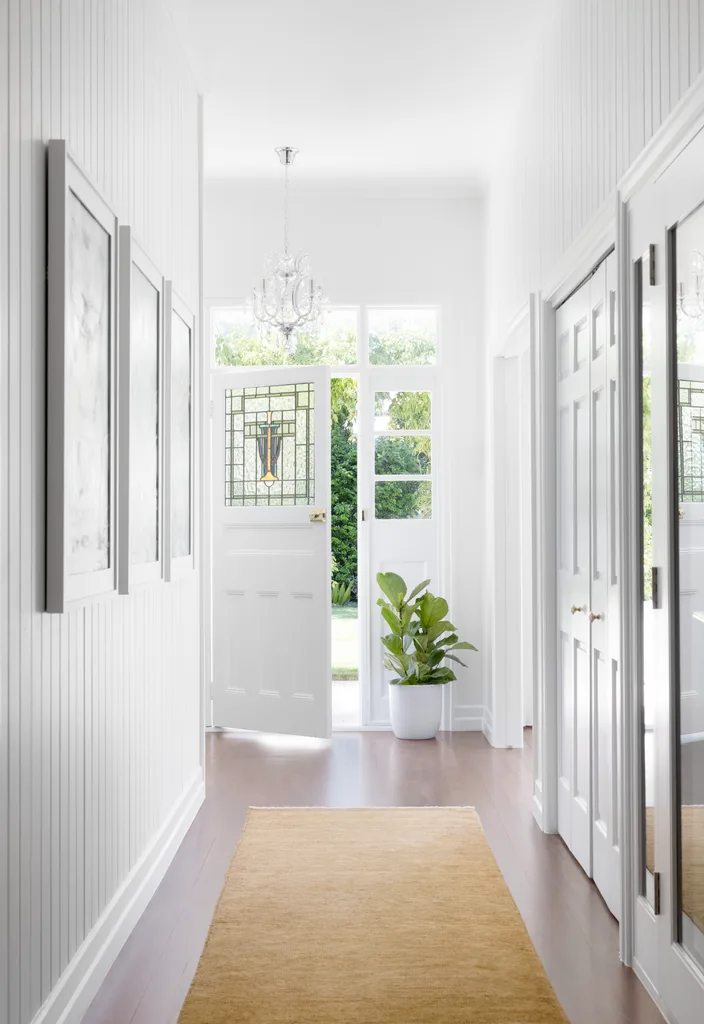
column 588, row 678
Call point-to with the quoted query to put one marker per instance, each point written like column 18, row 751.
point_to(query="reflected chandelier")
column 288, row 297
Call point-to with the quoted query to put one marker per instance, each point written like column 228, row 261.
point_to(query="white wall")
column 376, row 247
column 608, row 74
column 99, row 708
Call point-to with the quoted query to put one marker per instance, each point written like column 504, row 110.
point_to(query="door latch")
column 655, row 586
column 318, row 515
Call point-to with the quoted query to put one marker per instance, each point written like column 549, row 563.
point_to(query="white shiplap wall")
column 99, row 708
column 607, row 75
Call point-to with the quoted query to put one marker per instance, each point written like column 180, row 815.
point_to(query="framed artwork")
column 180, row 449
column 81, row 386
column 140, row 416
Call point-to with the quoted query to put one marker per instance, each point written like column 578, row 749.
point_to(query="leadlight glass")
column 270, row 445
column 690, row 436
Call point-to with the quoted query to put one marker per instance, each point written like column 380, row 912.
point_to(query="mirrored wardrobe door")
column 646, row 672
column 687, row 407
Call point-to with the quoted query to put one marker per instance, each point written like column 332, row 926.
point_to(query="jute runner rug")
column 370, row 916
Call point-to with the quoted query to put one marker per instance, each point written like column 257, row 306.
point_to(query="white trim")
column 202, row 422
column 77, row 987
column 468, row 718
column 586, row 252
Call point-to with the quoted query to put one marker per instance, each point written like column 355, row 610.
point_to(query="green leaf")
column 451, row 657
column 392, row 619
column 393, row 643
column 417, row 590
column 463, row 645
column 440, row 627
column 393, row 586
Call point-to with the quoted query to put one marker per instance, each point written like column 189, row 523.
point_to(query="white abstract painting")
column 144, row 420
column 88, row 344
column 180, row 438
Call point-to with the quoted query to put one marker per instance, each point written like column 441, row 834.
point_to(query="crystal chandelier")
column 288, row 297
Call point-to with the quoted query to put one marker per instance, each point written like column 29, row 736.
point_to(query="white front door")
column 271, row 550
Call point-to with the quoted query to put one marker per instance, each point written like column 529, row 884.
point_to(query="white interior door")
column 588, row 612
column 604, row 610
column 271, row 550
column 574, row 543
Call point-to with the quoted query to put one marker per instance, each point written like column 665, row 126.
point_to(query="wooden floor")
column 576, row 937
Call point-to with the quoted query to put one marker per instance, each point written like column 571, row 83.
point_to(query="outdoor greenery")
column 400, row 341
column 343, row 482
column 345, row 642
column 421, row 637
column 240, row 344
column 341, row 592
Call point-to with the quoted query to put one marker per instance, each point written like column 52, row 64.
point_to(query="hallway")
column 574, row 934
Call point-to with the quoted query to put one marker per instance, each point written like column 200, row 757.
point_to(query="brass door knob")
column 593, row 616
column 576, row 608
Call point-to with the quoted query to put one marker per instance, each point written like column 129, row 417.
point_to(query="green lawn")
column 344, row 642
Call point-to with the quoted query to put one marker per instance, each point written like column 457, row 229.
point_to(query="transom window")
column 399, row 337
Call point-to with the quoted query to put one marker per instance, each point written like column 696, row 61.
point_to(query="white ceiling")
column 366, row 89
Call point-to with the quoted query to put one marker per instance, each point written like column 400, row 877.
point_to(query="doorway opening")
column 344, row 590
column 375, row 490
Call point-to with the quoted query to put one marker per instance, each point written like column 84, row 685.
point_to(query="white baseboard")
column 488, row 725
column 79, row 983
column 467, row 718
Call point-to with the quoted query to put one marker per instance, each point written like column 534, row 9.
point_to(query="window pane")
column 269, row 445
column 407, row 499
column 401, row 455
column 240, row 341
column 332, row 344
column 402, row 336
column 402, row 410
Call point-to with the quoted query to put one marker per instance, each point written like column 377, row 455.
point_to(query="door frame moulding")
column 503, row 719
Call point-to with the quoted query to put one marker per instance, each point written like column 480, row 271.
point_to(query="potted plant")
column 421, row 639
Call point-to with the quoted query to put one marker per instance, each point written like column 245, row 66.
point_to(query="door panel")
column 574, row 542
column 271, row 550
column 588, row 581
column 604, row 609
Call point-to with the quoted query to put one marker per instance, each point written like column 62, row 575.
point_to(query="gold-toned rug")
column 370, row 916
column 692, row 858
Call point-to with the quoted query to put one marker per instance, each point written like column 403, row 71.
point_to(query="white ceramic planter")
column 415, row 711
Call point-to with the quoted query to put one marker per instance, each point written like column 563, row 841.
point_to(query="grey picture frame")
column 180, row 323
column 135, row 272
column 82, row 233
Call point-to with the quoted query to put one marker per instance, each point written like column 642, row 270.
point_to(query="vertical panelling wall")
column 99, row 708
column 608, row 74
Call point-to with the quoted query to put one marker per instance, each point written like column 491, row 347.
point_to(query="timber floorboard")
column 575, row 935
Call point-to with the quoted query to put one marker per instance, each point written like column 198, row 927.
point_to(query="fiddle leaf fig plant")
column 421, row 636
